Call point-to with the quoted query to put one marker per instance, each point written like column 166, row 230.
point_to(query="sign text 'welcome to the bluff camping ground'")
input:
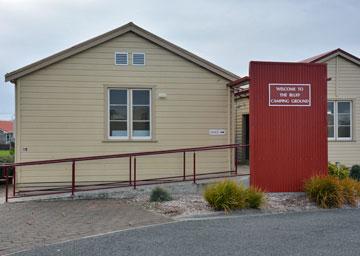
column 296, row 95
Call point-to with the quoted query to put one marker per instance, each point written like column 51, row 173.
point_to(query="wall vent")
column 121, row 58
column 138, row 58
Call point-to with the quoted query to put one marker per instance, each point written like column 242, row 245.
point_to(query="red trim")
column 73, row 187
column 239, row 81
column 316, row 58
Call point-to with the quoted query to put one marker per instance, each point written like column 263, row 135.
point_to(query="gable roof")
column 330, row 54
column 6, row 126
column 130, row 27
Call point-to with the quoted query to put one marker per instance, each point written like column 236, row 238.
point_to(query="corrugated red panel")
column 288, row 144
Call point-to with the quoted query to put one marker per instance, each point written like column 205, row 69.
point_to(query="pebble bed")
column 193, row 205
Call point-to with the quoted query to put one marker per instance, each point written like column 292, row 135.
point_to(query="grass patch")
column 227, row 195
column 325, row 191
column 332, row 192
column 255, row 197
column 351, row 191
column 4, row 153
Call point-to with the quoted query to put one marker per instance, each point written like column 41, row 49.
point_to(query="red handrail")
column 132, row 156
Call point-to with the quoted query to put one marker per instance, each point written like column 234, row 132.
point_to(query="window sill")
column 127, row 141
column 353, row 141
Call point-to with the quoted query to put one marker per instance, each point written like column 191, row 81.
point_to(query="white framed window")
column 129, row 114
column 138, row 58
column 339, row 120
column 121, row 58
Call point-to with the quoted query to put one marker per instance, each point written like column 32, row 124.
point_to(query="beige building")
column 343, row 106
column 127, row 90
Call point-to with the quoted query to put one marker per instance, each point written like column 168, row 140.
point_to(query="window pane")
column 141, row 97
column 330, row 107
column 141, row 113
column 330, row 119
column 118, row 129
column 344, row 107
column 118, row 113
column 141, row 129
column 344, row 132
column 330, row 131
column 118, row 97
column 344, row 119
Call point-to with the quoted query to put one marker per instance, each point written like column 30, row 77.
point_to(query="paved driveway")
column 28, row 224
column 333, row 232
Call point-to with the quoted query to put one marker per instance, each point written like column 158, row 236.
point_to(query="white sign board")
column 217, row 132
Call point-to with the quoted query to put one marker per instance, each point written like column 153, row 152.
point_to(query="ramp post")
column 14, row 181
column 6, row 174
column 194, row 167
column 73, row 179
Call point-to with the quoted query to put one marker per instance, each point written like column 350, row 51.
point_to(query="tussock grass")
column 227, row 195
column 325, row 191
column 332, row 192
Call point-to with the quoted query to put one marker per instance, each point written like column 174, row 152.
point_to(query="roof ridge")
column 85, row 45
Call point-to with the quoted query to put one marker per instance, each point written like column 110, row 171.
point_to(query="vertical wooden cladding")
column 288, row 143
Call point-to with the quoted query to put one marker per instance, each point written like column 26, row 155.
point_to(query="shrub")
column 326, row 191
column 7, row 159
column 225, row 195
column 159, row 195
column 340, row 171
column 351, row 190
column 255, row 197
column 355, row 172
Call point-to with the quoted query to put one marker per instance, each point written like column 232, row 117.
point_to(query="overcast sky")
column 228, row 33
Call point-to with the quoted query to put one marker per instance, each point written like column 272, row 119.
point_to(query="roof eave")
column 12, row 76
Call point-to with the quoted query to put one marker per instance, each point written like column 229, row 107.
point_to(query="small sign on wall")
column 295, row 95
column 217, row 132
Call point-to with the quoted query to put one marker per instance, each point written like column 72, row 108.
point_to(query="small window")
column 339, row 120
column 121, row 58
column 138, row 58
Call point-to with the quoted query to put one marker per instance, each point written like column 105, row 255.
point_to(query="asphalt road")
column 332, row 232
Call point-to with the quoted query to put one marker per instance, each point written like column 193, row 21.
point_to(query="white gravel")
column 191, row 205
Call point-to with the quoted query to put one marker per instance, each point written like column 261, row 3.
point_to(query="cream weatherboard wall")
column 345, row 85
column 61, row 112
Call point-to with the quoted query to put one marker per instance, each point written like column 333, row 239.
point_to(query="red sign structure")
column 288, row 124
column 296, row 95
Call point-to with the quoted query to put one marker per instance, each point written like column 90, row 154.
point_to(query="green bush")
column 340, row 171
column 255, row 197
column 326, row 191
column 355, row 172
column 227, row 195
column 159, row 195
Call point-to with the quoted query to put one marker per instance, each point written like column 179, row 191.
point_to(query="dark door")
column 246, row 137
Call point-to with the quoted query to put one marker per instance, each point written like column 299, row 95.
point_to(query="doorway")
column 245, row 133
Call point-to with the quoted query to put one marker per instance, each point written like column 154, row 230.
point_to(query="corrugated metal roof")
column 335, row 52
